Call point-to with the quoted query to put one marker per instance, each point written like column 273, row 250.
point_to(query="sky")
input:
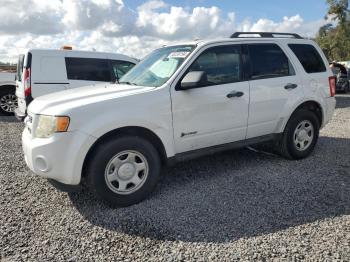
column 136, row 27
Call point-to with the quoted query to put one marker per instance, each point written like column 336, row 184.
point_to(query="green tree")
column 334, row 38
column 338, row 9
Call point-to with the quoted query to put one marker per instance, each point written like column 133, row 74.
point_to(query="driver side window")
column 221, row 65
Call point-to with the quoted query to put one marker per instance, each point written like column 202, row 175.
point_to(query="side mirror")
column 192, row 80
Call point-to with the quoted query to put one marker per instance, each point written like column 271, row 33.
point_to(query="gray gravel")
column 238, row 205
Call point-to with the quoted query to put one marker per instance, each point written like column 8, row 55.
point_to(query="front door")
column 216, row 112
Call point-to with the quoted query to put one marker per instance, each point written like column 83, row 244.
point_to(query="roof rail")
column 265, row 34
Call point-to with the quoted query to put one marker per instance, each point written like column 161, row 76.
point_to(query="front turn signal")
column 62, row 123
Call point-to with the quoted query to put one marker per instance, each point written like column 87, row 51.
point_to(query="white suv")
column 180, row 102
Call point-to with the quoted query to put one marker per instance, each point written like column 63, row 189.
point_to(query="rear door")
column 19, row 76
column 19, row 69
column 24, row 83
column 274, row 87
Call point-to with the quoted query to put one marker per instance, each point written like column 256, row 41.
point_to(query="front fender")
column 163, row 132
column 151, row 111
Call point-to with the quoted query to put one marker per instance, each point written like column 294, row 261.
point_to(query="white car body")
column 49, row 72
column 184, row 121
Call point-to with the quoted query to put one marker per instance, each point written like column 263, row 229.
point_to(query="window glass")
column 308, row 57
column 91, row 69
column 120, row 68
column 221, row 65
column 268, row 61
column 158, row 67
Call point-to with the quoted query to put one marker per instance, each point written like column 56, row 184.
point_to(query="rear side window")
column 90, row 69
column 308, row 57
column 221, row 65
column 268, row 61
column 120, row 68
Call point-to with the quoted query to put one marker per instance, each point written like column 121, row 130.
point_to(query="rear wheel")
column 300, row 135
column 124, row 171
column 8, row 101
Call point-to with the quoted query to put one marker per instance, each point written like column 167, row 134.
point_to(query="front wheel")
column 300, row 135
column 124, row 171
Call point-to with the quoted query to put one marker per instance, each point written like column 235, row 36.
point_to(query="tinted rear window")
column 268, row 61
column 90, row 69
column 308, row 57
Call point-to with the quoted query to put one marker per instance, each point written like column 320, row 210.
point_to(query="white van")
column 45, row 71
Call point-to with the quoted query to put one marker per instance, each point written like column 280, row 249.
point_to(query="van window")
column 120, row 68
column 91, row 69
column 308, row 57
column 221, row 65
column 268, row 61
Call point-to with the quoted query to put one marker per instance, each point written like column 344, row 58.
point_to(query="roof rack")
column 265, row 34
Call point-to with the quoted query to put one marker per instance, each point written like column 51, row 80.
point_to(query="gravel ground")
column 238, row 205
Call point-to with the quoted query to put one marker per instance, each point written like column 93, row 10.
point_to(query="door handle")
column 234, row 94
column 290, row 86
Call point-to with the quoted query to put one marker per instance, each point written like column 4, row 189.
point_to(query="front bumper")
column 19, row 115
column 21, row 110
column 59, row 157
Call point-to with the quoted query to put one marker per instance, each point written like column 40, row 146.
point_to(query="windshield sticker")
column 182, row 54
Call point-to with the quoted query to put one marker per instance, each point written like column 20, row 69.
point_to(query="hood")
column 77, row 97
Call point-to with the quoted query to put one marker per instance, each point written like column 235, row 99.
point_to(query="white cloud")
column 33, row 16
column 109, row 25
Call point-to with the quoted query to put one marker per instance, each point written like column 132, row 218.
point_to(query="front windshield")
column 157, row 67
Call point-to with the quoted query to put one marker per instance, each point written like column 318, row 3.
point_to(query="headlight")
column 48, row 125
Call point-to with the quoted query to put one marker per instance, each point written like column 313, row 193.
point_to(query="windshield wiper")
column 128, row 83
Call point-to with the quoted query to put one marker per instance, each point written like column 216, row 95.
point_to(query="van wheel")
column 124, row 171
column 300, row 135
column 8, row 101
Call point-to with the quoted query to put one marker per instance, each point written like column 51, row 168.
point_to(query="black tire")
column 5, row 91
column 286, row 145
column 105, row 152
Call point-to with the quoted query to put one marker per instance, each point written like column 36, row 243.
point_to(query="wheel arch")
column 7, row 85
column 124, row 131
column 310, row 105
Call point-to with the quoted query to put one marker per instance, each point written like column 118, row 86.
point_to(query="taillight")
column 26, row 82
column 332, row 85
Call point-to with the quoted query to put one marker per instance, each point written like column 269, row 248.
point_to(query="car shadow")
column 8, row 119
column 343, row 101
column 233, row 195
